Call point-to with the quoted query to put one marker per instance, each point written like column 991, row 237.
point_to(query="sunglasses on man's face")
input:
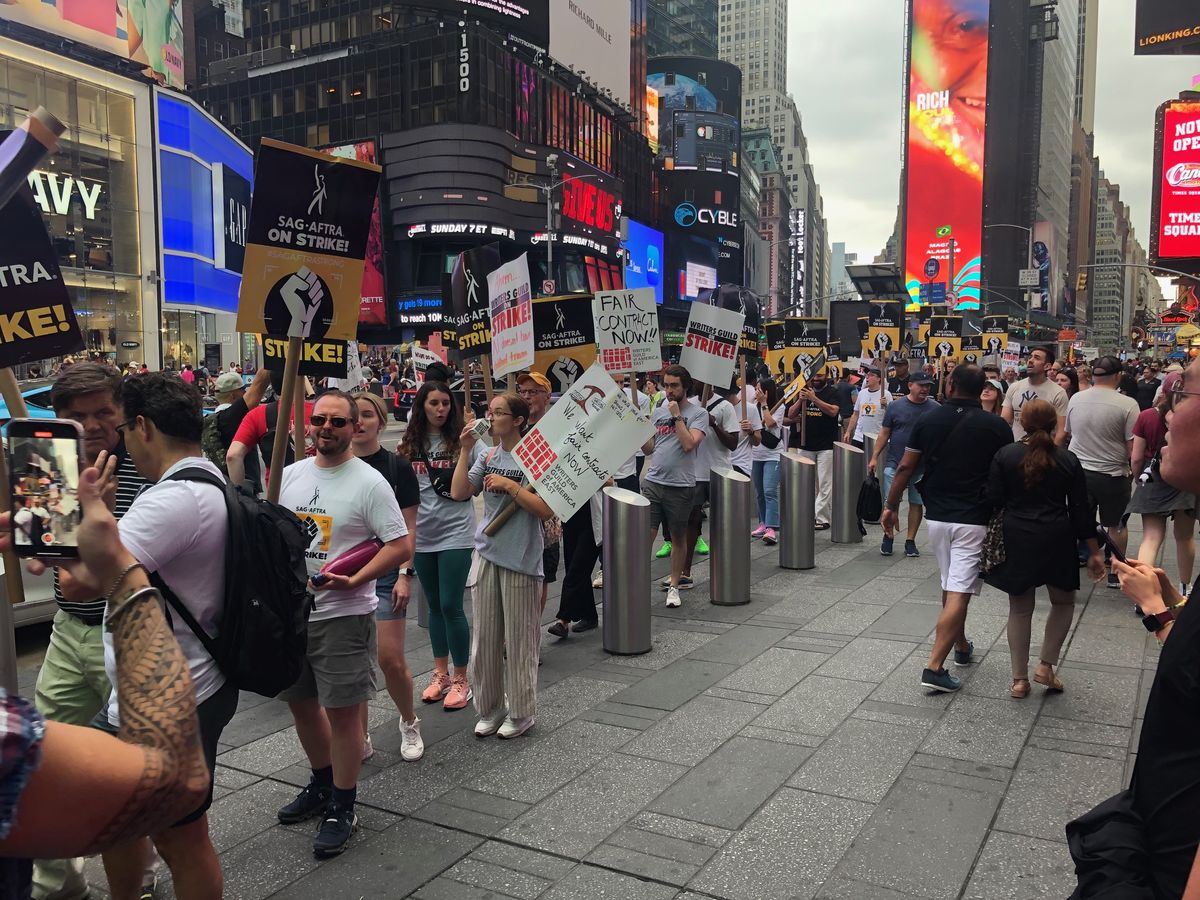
column 334, row 421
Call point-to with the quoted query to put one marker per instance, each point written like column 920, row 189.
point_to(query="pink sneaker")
column 759, row 531
column 439, row 686
column 460, row 693
column 770, row 537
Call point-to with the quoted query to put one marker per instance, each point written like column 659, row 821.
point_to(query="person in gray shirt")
column 1099, row 426
column 679, row 428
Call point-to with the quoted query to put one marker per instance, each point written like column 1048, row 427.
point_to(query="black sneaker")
column 335, row 831
column 941, row 680
column 585, row 625
column 963, row 657
column 910, row 549
column 885, row 546
column 1114, row 583
column 312, row 801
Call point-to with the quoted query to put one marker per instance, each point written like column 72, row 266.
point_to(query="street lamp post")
column 1028, row 248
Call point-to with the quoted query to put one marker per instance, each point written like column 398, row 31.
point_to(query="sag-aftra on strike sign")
column 36, row 318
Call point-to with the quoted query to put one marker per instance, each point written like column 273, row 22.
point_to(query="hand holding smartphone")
column 1106, row 541
column 44, row 461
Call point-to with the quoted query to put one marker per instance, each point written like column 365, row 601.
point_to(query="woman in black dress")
column 1042, row 491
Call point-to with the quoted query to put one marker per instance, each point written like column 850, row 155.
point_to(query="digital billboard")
column 1175, row 212
column 594, row 37
column 644, row 259
column 944, row 149
column 371, row 310
column 146, row 31
column 1166, row 26
column 529, row 18
column 1043, row 261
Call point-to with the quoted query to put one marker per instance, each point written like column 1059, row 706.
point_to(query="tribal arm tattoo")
column 158, row 713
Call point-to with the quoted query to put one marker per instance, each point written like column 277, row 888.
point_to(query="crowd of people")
column 1020, row 482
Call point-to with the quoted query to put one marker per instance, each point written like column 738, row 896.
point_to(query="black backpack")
column 264, row 625
column 870, row 501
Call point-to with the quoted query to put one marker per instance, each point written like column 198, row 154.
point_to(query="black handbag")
column 1109, row 848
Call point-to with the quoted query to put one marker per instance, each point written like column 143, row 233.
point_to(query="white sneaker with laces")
column 489, row 725
column 514, row 727
column 673, row 597
column 598, row 581
column 412, row 746
column 368, row 748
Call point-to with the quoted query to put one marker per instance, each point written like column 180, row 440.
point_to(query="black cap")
column 437, row 372
column 920, row 377
column 1107, row 365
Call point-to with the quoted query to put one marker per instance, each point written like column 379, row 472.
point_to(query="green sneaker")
column 664, row 551
column 701, row 546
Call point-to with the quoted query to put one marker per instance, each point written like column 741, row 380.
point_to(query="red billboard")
column 944, row 151
column 372, row 310
column 1175, row 216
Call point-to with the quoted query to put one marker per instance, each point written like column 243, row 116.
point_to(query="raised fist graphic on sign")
column 302, row 293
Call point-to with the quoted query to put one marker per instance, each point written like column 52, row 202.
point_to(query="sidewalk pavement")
column 780, row 749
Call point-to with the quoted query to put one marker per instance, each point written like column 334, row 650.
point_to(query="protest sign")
column 834, row 366
column 812, row 366
column 739, row 300
column 995, row 335
column 36, row 318
column 565, row 335
column 355, row 378
column 710, row 345
column 422, row 360
column 510, row 300
column 320, row 359
column 627, row 331
column 971, row 349
column 885, row 321
column 471, row 312
column 864, row 335
column 945, row 337
column 310, row 220
column 776, row 332
column 806, row 337
column 579, row 443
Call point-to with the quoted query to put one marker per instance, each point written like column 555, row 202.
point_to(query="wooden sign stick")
column 291, row 371
column 742, row 378
column 485, row 364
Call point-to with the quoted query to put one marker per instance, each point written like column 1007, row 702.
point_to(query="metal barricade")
column 849, row 469
column 731, row 499
column 626, row 564
column 797, row 511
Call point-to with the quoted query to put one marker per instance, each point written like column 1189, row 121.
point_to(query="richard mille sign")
column 54, row 192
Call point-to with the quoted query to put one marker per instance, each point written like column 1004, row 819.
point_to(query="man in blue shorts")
column 898, row 421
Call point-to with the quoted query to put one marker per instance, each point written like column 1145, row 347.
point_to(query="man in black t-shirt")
column 956, row 443
column 898, row 381
column 814, row 423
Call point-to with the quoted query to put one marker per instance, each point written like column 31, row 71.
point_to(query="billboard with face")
column 946, row 127
column 1175, row 214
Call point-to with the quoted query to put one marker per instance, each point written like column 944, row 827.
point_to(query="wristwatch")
column 409, row 571
column 1158, row 621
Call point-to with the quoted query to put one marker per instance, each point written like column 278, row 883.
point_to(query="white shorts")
column 957, row 549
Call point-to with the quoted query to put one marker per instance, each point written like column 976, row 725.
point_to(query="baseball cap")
column 996, row 385
column 537, row 378
column 229, row 381
column 1106, row 365
column 921, row 377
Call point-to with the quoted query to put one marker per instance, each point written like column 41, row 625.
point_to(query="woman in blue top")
column 508, row 585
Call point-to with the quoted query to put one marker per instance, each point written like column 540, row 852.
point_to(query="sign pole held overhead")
column 291, row 369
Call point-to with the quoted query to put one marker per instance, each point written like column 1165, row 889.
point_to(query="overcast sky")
column 847, row 82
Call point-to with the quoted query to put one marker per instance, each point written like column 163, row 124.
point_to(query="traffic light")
column 1081, row 281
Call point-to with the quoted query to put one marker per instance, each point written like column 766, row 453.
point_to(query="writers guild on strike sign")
column 299, row 305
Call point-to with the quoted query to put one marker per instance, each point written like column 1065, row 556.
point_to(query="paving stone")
column 267, row 755
column 980, row 729
column 743, row 696
column 781, row 737
column 693, row 731
column 243, row 814
column 815, row 706
column 591, row 883
column 786, row 850
column 675, row 685
column 681, row 829
column 268, row 864
column 1107, row 698
column 668, row 646
column 861, row 760
column 492, row 878
column 832, row 557
column 576, row 819
column 1081, row 732
column 776, row 671
column 846, row 617
column 537, row 770
column 866, row 659
column 921, row 840
column 641, row 864
column 233, row 778
column 1016, row 867
column 850, row 575
column 1050, row 788
column 563, row 700
column 838, row 888
column 661, row 846
column 903, row 685
column 1108, row 645
column 739, row 645
column 726, row 788
column 522, row 859
column 887, row 589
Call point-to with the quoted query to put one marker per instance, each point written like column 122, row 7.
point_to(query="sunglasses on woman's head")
column 334, row 421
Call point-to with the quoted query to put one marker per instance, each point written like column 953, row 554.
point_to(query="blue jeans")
column 766, row 486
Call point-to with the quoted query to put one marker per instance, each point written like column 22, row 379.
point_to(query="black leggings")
column 581, row 549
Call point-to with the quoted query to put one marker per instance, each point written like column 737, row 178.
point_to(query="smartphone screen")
column 1106, row 540
column 43, row 467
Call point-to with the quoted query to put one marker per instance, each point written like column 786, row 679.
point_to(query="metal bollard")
column 730, row 496
column 849, row 470
column 626, row 563
column 797, row 511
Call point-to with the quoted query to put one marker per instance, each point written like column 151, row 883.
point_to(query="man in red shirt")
column 258, row 431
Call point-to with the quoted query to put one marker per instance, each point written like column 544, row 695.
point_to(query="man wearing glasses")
column 344, row 502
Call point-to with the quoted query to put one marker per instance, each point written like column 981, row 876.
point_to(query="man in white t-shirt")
column 724, row 426
column 344, row 502
column 177, row 531
column 1038, row 385
column 868, row 411
column 750, row 429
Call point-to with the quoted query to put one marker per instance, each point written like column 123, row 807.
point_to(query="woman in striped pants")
column 508, row 584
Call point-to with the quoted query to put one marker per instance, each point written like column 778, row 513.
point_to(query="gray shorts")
column 700, row 494
column 672, row 505
column 337, row 668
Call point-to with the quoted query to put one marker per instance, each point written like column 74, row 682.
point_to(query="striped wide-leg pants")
column 507, row 616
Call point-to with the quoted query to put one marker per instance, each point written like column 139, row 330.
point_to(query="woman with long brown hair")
column 1041, row 490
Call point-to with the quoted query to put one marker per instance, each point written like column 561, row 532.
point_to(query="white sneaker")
column 515, row 727
column 673, row 597
column 489, row 725
column 368, row 748
column 598, row 581
column 412, row 747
